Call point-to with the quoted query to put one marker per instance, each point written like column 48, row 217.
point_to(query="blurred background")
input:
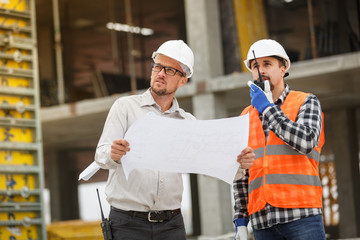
column 64, row 62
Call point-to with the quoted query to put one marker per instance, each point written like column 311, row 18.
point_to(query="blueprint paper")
column 208, row 147
column 89, row 171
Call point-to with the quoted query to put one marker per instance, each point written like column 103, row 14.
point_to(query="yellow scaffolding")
column 21, row 164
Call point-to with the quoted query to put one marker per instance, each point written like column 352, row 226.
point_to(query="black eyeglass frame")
column 166, row 69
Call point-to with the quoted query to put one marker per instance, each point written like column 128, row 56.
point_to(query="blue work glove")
column 241, row 229
column 261, row 99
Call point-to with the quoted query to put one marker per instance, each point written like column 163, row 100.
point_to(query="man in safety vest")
column 281, row 193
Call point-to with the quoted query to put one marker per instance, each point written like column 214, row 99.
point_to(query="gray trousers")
column 127, row 227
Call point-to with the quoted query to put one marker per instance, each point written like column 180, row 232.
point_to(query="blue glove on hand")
column 241, row 229
column 260, row 99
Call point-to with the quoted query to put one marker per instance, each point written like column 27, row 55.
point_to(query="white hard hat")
column 180, row 51
column 267, row 48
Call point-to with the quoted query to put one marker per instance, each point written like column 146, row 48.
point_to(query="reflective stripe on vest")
column 285, row 179
column 255, row 184
column 284, row 150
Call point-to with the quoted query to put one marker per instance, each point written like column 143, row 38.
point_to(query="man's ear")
column 282, row 71
column 183, row 81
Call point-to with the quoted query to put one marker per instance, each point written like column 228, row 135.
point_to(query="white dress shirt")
column 145, row 190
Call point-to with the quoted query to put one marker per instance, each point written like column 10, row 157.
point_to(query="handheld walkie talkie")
column 105, row 224
column 260, row 82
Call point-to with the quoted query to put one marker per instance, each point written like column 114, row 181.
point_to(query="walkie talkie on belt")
column 105, row 223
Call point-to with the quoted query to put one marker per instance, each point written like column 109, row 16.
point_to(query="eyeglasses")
column 170, row 71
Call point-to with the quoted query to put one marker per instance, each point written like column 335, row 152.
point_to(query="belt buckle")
column 152, row 220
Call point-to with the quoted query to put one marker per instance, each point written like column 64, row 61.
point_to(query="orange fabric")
column 282, row 195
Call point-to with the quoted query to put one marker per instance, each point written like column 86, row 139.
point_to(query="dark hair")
column 282, row 61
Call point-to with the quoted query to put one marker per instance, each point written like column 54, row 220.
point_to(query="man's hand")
column 119, row 148
column 246, row 158
column 261, row 99
column 241, row 229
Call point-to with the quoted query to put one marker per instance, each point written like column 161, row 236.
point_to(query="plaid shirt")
column 303, row 136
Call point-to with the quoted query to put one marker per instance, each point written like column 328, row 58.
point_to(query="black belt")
column 152, row 216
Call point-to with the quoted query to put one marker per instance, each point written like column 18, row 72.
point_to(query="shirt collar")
column 148, row 100
column 283, row 95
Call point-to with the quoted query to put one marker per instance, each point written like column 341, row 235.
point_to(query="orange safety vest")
column 280, row 175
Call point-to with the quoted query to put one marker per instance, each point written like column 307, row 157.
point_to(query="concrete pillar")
column 62, row 174
column 204, row 37
column 214, row 196
column 345, row 147
column 209, row 106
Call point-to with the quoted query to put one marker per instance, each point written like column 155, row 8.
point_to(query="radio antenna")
column 257, row 66
column 260, row 83
column 102, row 214
column 105, row 223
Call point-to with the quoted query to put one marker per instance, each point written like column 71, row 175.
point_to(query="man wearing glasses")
column 147, row 205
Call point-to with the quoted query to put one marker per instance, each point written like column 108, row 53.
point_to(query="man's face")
column 162, row 84
column 270, row 69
